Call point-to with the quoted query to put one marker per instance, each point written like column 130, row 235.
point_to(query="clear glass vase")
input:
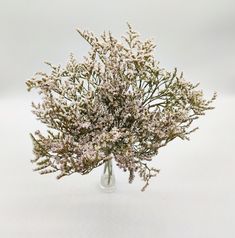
column 107, row 181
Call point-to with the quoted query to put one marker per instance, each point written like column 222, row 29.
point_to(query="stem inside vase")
column 107, row 181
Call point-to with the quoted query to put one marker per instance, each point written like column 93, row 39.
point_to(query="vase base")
column 107, row 184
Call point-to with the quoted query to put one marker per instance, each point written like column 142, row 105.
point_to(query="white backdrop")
column 193, row 195
column 196, row 36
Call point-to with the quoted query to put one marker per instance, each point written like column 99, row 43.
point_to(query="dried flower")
column 117, row 103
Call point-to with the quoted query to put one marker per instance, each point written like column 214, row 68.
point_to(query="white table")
column 193, row 196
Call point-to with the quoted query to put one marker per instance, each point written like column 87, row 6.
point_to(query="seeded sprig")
column 117, row 103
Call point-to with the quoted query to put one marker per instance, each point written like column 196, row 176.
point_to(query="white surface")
column 193, row 195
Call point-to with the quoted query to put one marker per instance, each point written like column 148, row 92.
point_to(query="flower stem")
column 108, row 168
